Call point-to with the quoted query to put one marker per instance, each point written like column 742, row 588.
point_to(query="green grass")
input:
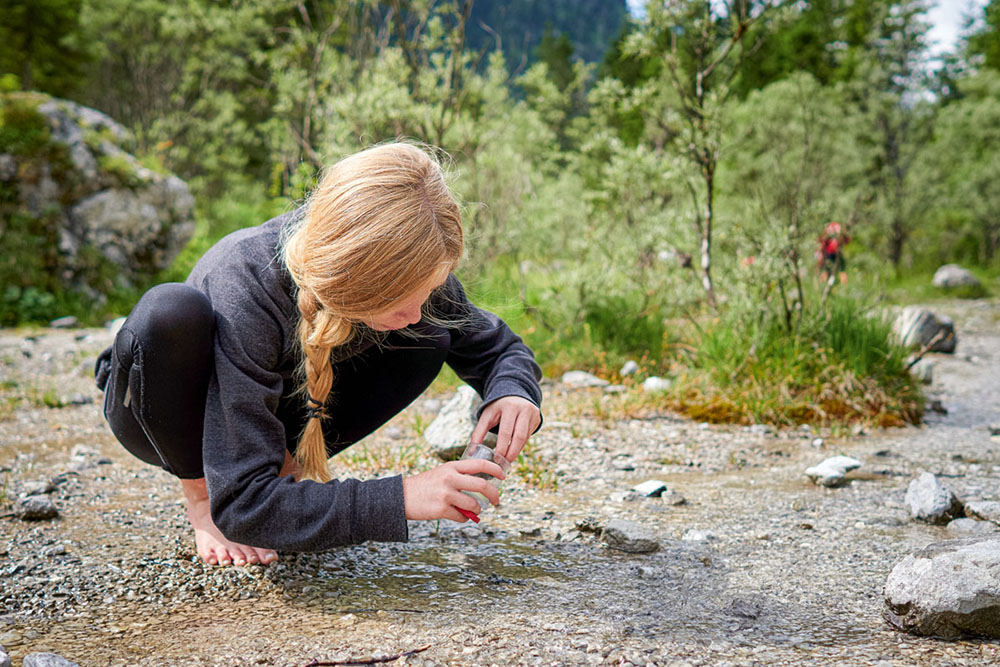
column 916, row 286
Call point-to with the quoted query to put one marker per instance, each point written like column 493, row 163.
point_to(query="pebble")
column 582, row 379
column 37, row 508
column 47, row 660
column 654, row 383
column 4, row 658
column 930, row 501
column 37, row 488
column 985, row 510
column 652, row 488
column 629, row 368
column 817, row 442
column 629, row 536
column 832, row 472
column 968, row 527
column 67, row 322
column 692, row 535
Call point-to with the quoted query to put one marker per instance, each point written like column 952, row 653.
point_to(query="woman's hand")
column 437, row 493
column 518, row 418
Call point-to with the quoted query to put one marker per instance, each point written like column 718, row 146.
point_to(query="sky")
column 945, row 17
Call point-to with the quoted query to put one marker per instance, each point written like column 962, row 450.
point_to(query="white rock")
column 456, row 421
column 928, row 500
column 985, row 510
column 654, row 383
column 629, row 368
column 832, row 471
column 916, row 326
column 652, row 488
column 582, row 379
column 953, row 275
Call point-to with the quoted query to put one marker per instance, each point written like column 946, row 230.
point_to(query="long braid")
column 318, row 334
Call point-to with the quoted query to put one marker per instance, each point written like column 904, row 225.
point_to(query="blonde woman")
column 291, row 341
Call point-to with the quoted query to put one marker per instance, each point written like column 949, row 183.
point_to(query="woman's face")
column 406, row 311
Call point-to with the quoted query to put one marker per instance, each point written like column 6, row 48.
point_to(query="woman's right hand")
column 436, row 493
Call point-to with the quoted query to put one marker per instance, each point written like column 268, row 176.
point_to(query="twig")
column 369, row 661
column 940, row 335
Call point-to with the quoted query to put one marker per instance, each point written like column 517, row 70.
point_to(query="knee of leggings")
column 175, row 313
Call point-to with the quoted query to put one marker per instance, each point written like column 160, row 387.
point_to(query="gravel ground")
column 757, row 567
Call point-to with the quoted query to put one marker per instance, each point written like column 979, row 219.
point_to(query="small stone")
column 394, row 432
column 994, row 429
column 674, row 498
column 652, row 488
column 82, row 452
column 985, row 510
column 582, row 379
column 805, row 428
column 615, row 389
column 629, row 368
column 629, row 536
column 654, row 384
column 68, row 322
column 624, row 496
column 37, row 508
column 817, row 442
column 455, row 422
column 923, row 370
column 953, row 275
column 4, row 658
column 47, row 660
column 54, row 550
column 759, row 429
column 928, row 500
column 692, row 535
column 832, row 471
column 704, row 426
column 10, row 638
column 623, row 463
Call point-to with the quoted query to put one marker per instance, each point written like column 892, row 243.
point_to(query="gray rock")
column 615, row 389
column 623, row 463
column 37, row 508
column 652, row 488
column 47, row 660
column 654, row 383
column 984, row 510
column 994, row 429
column 629, row 368
column 693, row 535
column 947, row 589
column 917, row 327
column 953, row 275
column 969, row 527
column 67, row 322
column 674, row 498
column 629, row 536
column 456, row 420
column 758, row 429
column 4, row 658
column 582, row 380
column 832, row 472
column 928, row 500
column 102, row 198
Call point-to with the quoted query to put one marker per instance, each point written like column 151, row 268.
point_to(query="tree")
column 702, row 45
column 984, row 44
column 41, row 44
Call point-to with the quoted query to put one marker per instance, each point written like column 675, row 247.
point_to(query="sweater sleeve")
column 485, row 352
column 244, row 441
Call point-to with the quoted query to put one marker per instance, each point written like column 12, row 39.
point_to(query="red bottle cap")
column 471, row 515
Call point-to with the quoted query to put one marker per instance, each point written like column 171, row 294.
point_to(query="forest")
column 649, row 188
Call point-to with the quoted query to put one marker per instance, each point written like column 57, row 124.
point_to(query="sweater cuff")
column 381, row 513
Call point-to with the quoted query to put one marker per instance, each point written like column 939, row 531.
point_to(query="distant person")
column 830, row 254
column 293, row 340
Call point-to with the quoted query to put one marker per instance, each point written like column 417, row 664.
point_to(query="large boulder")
column 953, row 275
column 947, row 589
column 97, row 217
column 917, row 327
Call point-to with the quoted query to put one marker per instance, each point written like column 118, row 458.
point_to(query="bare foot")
column 212, row 546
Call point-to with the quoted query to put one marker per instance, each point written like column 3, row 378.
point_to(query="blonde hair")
column 380, row 224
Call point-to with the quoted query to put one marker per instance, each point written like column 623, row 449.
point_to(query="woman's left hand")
column 518, row 418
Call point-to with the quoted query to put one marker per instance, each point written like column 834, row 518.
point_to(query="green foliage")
column 23, row 130
column 42, row 44
column 984, row 44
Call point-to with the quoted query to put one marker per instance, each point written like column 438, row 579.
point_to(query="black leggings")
column 155, row 380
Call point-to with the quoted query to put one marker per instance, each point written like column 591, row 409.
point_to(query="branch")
column 938, row 337
column 368, row 661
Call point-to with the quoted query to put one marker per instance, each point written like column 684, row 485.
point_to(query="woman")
column 291, row 341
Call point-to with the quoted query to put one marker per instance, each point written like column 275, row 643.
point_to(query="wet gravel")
column 756, row 566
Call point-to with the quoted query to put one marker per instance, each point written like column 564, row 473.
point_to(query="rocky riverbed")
column 756, row 564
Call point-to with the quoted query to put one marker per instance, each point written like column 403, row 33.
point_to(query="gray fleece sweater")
column 256, row 354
